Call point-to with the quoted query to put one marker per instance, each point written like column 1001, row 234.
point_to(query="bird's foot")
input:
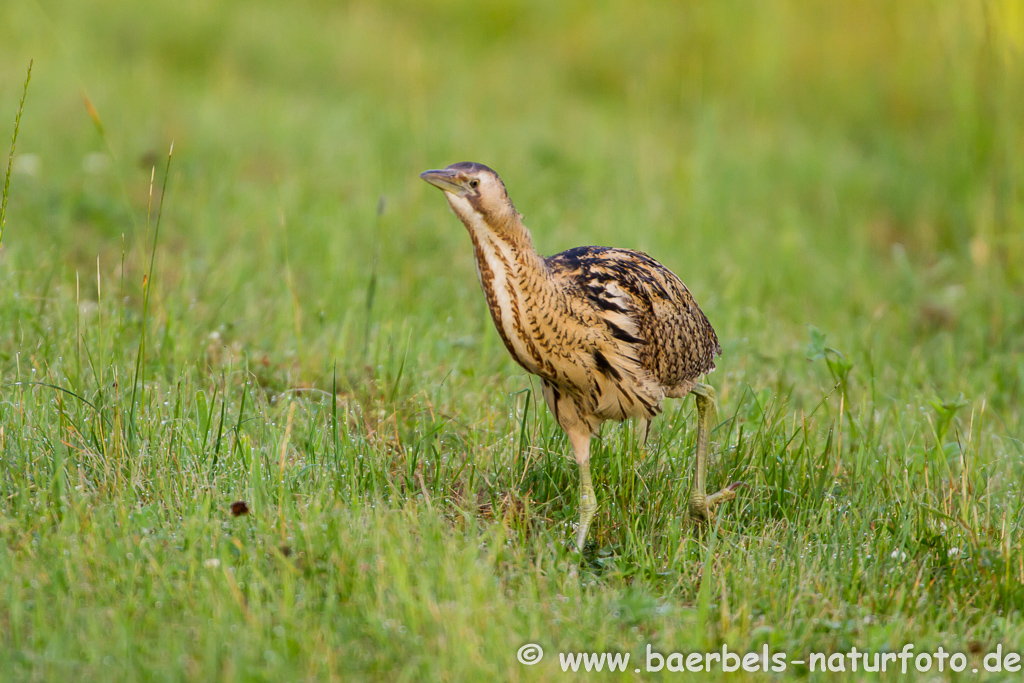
column 702, row 509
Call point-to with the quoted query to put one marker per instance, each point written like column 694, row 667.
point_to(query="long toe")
column 704, row 510
column 728, row 493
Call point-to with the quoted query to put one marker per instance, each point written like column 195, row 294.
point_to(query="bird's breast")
column 561, row 338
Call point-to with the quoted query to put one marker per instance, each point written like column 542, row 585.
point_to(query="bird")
column 610, row 332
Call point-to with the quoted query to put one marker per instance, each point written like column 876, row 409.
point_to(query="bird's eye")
column 474, row 183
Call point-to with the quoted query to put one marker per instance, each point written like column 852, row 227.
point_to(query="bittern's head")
column 476, row 195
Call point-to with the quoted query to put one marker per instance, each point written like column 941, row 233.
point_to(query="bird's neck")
column 517, row 240
column 515, row 279
column 501, row 239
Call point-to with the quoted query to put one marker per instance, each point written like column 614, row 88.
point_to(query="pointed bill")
column 443, row 179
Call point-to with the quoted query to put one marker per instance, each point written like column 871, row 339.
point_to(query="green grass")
column 840, row 184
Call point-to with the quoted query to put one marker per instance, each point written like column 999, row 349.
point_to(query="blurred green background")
column 729, row 139
column 856, row 168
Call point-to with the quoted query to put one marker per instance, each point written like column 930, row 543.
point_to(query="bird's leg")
column 580, row 439
column 701, row 504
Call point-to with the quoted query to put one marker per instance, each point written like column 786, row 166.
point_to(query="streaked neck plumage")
column 511, row 272
column 501, row 224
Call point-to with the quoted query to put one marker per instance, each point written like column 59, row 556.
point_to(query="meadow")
column 281, row 313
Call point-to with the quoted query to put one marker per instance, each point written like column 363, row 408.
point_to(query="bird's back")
column 647, row 309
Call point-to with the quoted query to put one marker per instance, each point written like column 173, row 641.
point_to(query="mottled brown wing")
column 645, row 306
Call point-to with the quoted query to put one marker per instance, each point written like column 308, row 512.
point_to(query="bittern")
column 610, row 332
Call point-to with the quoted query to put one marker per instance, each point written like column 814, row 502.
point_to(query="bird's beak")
column 445, row 180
